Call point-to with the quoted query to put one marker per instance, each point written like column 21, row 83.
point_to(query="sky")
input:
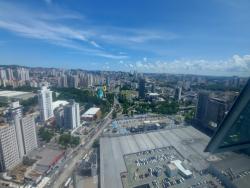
column 161, row 36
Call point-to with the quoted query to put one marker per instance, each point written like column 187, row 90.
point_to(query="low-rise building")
column 7, row 96
column 92, row 114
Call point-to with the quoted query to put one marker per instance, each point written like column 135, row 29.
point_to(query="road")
column 67, row 169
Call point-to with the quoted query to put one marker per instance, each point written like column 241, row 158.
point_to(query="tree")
column 189, row 116
column 84, row 97
column 75, row 140
column 29, row 103
column 68, row 140
column 96, row 144
column 167, row 108
column 45, row 134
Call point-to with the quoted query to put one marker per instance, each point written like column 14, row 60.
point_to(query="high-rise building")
column 201, row 108
column 9, row 153
column 28, row 133
column 234, row 131
column 45, row 103
column 153, row 87
column 3, row 75
column 177, row 94
column 216, row 110
column 15, row 110
column 71, row 115
column 59, row 116
column 73, row 81
column 24, row 129
column 10, row 74
column 210, row 111
column 62, row 81
column 142, row 88
column 14, row 117
column 90, row 80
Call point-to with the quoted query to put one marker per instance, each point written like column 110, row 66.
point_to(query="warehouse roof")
column 188, row 141
column 92, row 111
column 7, row 93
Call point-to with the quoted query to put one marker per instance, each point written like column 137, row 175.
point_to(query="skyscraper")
column 73, row 81
column 24, row 129
column 141, row 88
column 62, row 81
column 45, row 103
column 28, row 133
column 201, row 107
column 234, row 131
column 177, row 94
column 59, row 116
column 15, row 116
column 9, row 153
column 71, row 115
column 210, row 111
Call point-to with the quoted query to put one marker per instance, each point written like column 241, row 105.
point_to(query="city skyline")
column 192, row 37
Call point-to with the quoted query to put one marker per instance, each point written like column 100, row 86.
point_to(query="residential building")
column 59, row 116
column 24, row 128
column 29, row 133
column 73, row 81
column 45, row 103
column 9, row 153
column 71, row 115
column 177, row 94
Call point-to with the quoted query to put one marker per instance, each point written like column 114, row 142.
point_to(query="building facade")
column 9, row 152
column 45, row 103
column 71, row 115
column 29, row 133
column 141, row 88
column 210, row 111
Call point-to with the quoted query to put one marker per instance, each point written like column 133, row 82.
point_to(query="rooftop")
column 92, row 111
column 57, row 103
column 7, row 93
column 188, row 141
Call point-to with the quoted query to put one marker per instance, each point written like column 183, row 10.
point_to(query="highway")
column 66, row 170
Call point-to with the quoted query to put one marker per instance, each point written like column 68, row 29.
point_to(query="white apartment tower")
column 24, row 128
column 15, row 116
column 71, row 115
column 17, row 138
column 28, row 133
column 9, row 153
column 45, row 103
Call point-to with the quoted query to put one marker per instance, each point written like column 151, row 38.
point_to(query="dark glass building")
column 234, row 131
column 142, row 88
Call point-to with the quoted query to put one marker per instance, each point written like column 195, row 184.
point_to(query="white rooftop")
column 7, row 93
column 181, row 168
column 188, row 141
column 153, row 94
column 57, row 103
column 92, row 111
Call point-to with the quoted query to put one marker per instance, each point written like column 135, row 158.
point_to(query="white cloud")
column 237, row 65
column 95, row 44
column 135, row 36
column 47, row 27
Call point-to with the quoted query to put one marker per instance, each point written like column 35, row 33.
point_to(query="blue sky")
column 196, row 37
